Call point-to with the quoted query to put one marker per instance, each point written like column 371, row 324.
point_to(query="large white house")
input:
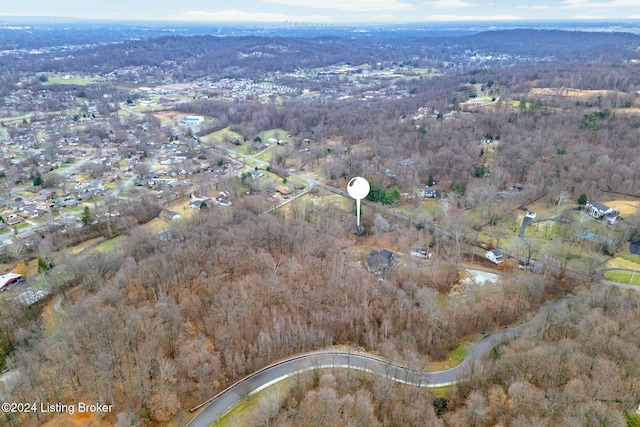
column 599, row 210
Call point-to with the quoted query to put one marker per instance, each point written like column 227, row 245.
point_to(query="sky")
column 329, row 11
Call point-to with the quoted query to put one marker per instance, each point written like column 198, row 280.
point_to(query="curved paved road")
column 327, row 359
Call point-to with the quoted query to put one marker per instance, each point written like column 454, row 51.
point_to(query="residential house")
column 14, row 219
column 202, row 203
column 285, row 191
column 48, row 194
column 379, row 262
column 429, row 193
column 223, row 198
column 598, row 210
column 495, row 256
column 16, row 205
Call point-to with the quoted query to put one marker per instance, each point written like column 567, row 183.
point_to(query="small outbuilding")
column 9, row 279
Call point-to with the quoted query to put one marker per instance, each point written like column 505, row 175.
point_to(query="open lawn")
column 224, row 135
column 454, row 358
column 111, row 244
column 572, row 93
column 81, row 247
column 9, row 119
column 267, row 154
column 274, row 133
column 625, row 207
column 626, row 277
column 336, row 201
column 625, row 260
column 181, row 206
column 482, row 100
column 168, row 116
column 157, row 225
column 66, row 79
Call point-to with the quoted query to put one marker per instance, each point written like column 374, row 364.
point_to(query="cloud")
column 589, row 17
column 536, row 7
column 449, row 4
column 241, row 16
column 384, row 18
column 347, row 5
column 453, row 18
column 571, row 4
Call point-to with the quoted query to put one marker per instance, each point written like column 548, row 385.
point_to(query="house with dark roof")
column 429, row 193
column 201, row 203
column 599, row 210
column 379, row 262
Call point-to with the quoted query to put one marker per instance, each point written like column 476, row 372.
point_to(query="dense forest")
column 577, row 368
column 163, row 325
column 160, row 326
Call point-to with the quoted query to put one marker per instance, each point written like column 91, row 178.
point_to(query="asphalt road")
column 337, row 359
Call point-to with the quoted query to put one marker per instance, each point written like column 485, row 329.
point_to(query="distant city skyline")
column 330, row 11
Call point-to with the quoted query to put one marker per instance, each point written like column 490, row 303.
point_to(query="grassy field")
column 111, row 244
column 168, row 116
column 622, row 260
column 573, row 93
column 274, row 133
column 626, row 277
column 267, row 154
column 222, row 135
column 157, row 225
column 482, row 100
column 625, row 207
column 181, row 206
column 85, row 245
column 454, row 358
column 69, row 80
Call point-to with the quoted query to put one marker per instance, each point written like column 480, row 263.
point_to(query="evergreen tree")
column 86, row 216
column 42, row 265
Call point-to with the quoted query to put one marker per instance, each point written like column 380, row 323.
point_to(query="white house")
column 494, row 255
column 597, row 209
